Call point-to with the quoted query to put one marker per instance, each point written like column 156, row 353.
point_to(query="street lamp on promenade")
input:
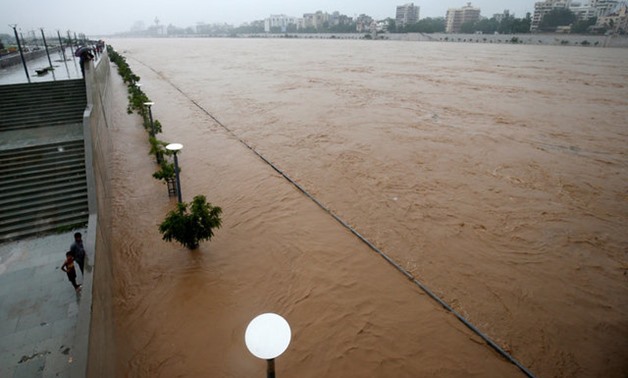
column 176, row 147
column 267, row 337
column 43, row 37
column 150, row 115
column 19, row 46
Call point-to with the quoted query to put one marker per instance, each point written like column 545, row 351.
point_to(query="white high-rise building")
column 456, row 17
column 279, row 21
column 407, row 14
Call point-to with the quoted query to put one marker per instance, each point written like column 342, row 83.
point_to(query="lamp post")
column 61, row 46
column 267, row 337
column 176, row 147
column 19, row 46
column 43, row 37
column 150, row 115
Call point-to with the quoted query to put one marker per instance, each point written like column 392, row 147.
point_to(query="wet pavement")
column 63, row 70
column 39, row 308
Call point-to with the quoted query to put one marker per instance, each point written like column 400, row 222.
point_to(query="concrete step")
column 42, row 208
column 40, row 104
column 43, row 167
column 25, row 91
column 27, row 181
column 32, row 214
column 18, row 156
column 41, row 184
column 41, row 96
column 27, row 197
column 35, row 104
column 37, row 124
column 34, row 160
column 44, row 115
column 10, row 100
column 44, row 226
column 55, row 171
column 49, row 109
column 39, row 148
column 44, row 187
column 46, row 201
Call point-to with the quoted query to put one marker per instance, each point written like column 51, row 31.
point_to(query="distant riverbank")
column 527, row 39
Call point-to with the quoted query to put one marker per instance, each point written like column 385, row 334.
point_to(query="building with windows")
column 363, row 23
column 617, row 19
column 314, row 20
column 604, row 7
column 456, row 17
column 279, row 21
column 407, row 14
column 585, row 10
column 541, row 8
column 582, row 11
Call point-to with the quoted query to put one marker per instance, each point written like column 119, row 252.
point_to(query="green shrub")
column 193, row 226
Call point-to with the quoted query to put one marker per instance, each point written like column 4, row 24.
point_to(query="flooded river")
column 496, row 175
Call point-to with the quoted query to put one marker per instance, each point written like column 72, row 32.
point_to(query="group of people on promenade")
column 87, row 53
column 75, row 254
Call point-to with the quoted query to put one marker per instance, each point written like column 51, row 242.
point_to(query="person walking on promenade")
column 84, row 53
column 78, row 251
column 70, row 270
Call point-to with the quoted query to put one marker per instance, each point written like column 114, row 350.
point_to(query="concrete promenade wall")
column 97, row 328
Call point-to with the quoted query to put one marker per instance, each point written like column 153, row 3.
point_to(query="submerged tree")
column 193, row 226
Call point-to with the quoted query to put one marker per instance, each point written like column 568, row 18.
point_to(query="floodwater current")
column 496, row 175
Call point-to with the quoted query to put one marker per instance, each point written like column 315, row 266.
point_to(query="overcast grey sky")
column 119, row 15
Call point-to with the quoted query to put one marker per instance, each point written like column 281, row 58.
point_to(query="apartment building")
column 541, row 8
column 603, row 7
column 279, row 21
column 616, row 19
column 407, row 14
column 583, row 9
column 313, row 20
column 456, row 17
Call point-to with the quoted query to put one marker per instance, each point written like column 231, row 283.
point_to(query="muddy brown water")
column 495, row 174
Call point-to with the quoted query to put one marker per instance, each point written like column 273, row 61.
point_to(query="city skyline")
column 119, row 16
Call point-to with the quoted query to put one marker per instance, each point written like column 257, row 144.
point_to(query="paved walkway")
column 38, row 308
column 63, row 70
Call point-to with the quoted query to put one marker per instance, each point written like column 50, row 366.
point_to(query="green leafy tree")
column 191, row 227
column 165, row 172
column 426, row 25
column 468, row 27
column 487, row 26
column 522, row 25
column 582, row 26
column 557, row 17
column 433, row 25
